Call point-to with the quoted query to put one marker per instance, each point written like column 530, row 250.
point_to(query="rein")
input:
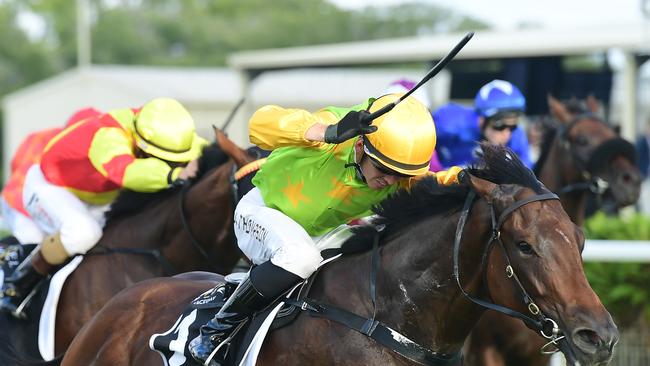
column 188, row 230
column 541, row 323
column 168, row 267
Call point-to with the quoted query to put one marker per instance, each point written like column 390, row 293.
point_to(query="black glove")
column 353, row 124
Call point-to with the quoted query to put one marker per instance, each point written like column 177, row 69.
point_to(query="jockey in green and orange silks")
column 325, row 169
column 84, row 167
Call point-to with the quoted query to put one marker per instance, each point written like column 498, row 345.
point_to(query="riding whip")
column 433, row 72
column 232, row 113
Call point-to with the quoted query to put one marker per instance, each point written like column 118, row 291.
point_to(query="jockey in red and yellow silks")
column 95, row 159
column 82, row 170
column 29, row 153
column 325, row 169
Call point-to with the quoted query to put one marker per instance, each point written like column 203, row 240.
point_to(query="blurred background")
column 57, row 56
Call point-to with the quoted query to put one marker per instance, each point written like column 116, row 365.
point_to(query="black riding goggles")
column 384, row 170
column 500, row 126
column 506, row 120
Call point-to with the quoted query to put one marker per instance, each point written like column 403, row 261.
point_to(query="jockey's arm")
column 111, row 153
column 272, row 127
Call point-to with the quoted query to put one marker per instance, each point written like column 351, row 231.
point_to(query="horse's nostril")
column 588, row 340
column 627, row 177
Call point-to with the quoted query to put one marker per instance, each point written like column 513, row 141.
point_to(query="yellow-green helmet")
column 405, row 136
column 165, row 129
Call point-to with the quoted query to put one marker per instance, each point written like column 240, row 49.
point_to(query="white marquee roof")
column 485, row 44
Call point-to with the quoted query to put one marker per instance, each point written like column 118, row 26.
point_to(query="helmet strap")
column 357, row 167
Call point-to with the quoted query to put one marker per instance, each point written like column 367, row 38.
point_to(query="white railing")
column 611, row 251
column 616, row 251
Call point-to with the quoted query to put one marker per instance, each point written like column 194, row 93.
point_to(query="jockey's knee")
column 300, row 260
column 81, row 236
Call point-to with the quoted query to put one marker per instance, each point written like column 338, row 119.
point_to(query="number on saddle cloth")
column 174, row 342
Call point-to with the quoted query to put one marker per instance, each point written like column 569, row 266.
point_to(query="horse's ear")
column 483, row 187
column 593, row 104
column 558, row 110
column 231, row 149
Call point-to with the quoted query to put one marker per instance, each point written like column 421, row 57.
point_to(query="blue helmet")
column 499, row 96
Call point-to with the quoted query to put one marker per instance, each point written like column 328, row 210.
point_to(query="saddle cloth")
column 48, row 312
column 172, row 344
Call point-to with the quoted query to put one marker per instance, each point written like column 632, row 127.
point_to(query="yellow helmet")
column 405, row 136
column 165, row 129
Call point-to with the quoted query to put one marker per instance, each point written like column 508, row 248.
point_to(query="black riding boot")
column 270, row 282
column 243, row 303
column 22, row 281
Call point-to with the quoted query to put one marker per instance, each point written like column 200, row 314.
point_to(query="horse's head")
column 533, row 262
column 597, row 154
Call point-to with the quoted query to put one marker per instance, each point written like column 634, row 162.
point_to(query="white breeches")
column 22, row 227
column 264, row 233
column 55, row 209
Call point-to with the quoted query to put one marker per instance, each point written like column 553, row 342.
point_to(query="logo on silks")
column 142, row 144
column 213, row 298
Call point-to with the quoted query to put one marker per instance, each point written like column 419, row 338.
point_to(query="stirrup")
column 19, row 311
column 226, row 343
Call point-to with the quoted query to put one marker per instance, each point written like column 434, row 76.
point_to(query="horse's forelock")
column 501, row 165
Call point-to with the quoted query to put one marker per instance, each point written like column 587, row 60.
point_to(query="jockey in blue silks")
column 497, row 108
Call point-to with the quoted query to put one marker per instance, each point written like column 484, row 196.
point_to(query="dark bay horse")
column 152, row 224
column 584, row 154
column 531, row 254
column 581, row 155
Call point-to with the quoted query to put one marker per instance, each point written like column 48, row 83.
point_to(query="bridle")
column 537, row 320
column 587, row 167
column 186, row 228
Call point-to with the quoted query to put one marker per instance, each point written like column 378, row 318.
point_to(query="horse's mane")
column 129, row 202
column 498, row 165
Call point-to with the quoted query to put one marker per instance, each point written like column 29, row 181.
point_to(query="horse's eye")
column 582, row 140
column 525, row 248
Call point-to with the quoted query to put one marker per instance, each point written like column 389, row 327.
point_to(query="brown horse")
column 423, row 282
column 581, row 156
column 586, row 155
column 148, row 236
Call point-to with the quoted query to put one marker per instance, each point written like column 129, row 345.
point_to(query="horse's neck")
column 558, row 172
column 208, row 211
column 417, row 293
